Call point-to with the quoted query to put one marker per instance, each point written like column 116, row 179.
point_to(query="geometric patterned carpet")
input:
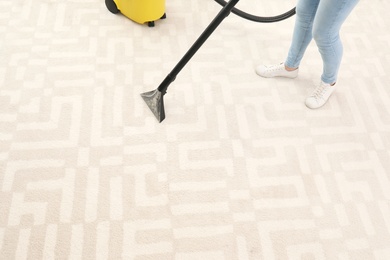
column 239, row 169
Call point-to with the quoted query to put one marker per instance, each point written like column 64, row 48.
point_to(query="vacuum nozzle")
column 155, row 101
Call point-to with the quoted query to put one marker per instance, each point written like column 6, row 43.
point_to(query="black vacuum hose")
column 259, row 19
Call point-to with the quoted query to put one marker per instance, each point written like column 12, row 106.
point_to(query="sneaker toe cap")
column 261, row 70
column 311, row 102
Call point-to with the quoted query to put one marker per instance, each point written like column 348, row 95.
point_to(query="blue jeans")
column 320, row 20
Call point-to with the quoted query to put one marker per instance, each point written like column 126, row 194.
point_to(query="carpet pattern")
column 239, row 169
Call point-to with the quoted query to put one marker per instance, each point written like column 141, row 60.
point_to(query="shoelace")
column 274, row 67
column 319, row 92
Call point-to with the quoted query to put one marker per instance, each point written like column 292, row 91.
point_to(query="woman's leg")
column 329, row 18
column 305, row 13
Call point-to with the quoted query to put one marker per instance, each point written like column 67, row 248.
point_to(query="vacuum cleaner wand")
column 155, row 99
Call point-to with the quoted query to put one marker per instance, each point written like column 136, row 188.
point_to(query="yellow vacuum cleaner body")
column 140, row 11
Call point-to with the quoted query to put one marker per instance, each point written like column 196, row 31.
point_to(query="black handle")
column 198, row 43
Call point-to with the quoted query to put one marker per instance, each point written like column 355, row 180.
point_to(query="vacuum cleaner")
column 140, row 11
column 155, row 98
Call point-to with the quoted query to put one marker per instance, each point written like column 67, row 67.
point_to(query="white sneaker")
column 319, row 96
column 276, row 71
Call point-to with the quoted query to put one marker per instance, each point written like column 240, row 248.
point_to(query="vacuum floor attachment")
column 155, row 101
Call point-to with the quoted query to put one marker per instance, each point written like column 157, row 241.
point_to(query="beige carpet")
column 239, row 169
